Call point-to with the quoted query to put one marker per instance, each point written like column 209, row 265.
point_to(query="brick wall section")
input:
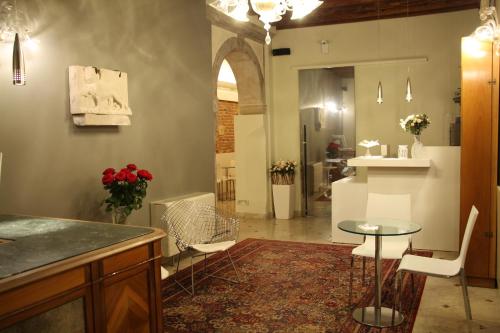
column 225, row 127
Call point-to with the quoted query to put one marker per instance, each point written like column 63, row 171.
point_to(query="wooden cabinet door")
column 479, row 152
column 127, row 303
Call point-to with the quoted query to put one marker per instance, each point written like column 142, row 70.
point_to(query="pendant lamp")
column 18, row 72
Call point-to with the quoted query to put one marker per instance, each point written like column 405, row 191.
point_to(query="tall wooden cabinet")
column 479, row 156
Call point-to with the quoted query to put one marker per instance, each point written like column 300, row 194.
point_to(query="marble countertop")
column 31, row 242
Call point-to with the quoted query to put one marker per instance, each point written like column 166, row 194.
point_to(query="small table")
column 378, row 316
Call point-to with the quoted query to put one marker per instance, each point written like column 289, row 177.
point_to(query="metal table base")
column 378, row 316
column 381, row 318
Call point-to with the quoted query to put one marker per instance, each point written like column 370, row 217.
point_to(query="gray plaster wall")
column 52, row 168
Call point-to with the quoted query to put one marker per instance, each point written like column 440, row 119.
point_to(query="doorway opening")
column 228, row 109
column 250, row 150
column 328, row 134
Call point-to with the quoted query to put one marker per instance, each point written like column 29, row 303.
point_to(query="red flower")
column 144, row 174
column 109, row 171
column 107, row 179
column 125, row 170
column 121, row 176
column 131, row 178
column 131, row 167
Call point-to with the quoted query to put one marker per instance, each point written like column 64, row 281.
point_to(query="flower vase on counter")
column 416, row 147
column 415, row 124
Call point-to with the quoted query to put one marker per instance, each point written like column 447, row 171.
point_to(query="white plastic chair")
column 441, row 267
column 390, row 206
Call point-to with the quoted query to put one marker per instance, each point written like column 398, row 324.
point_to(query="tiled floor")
column 442, row 307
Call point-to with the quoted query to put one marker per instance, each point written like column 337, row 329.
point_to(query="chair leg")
column 234, row 267
column 350, row 281
column 364, row 268
column 463, row 280
column 395, row 300
column 192, row 276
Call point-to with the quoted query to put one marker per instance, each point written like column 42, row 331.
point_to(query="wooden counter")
column 104, row 280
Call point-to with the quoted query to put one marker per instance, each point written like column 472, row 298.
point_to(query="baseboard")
column 481, row 282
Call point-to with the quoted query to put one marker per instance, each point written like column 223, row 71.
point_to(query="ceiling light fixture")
column 269, row 11
column 15, row 28
column 488, row 31
column 409, row 96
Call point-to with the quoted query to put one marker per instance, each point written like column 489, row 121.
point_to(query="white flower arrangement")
column 283, row 172
column 415, row 123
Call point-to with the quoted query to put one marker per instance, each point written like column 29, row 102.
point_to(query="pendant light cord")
column 408, row 30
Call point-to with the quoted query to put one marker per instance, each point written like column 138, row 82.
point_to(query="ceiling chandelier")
column 488, row 31
column 269, row 11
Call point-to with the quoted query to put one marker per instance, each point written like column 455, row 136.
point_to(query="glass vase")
column 118, row 215
column 417, row 147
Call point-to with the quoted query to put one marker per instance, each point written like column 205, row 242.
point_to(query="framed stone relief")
column 98, row 96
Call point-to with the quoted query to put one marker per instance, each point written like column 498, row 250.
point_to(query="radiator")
column 159, row 207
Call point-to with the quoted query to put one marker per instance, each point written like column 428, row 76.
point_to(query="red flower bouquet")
column 127, row 189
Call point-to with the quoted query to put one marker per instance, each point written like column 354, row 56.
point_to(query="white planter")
column 284, row 201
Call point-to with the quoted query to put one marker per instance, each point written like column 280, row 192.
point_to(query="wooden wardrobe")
column 479, row 157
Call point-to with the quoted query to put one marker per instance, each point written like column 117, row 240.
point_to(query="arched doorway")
column 250, row 138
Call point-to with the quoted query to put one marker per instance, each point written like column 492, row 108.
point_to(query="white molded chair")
column 201, row 229
column 390, row 206
column 441, row 267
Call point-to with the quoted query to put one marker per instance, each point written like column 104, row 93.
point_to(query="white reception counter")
column 433, row 182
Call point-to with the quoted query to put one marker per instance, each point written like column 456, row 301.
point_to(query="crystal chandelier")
column 269, row 11
column 488, row 31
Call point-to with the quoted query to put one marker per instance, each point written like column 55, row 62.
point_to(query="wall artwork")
column 98, row 96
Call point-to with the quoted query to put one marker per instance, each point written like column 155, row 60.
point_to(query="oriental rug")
column 288, row 287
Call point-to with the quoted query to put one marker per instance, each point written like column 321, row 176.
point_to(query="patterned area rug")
column 288, row 287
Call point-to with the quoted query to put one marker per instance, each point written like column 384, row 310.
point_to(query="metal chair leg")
column 192, row 276
column 463, row 280
column 234, row 267
column 395, row 300
column 364, row 268
column 350, row 281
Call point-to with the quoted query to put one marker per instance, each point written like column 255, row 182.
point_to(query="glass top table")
column 378, row 316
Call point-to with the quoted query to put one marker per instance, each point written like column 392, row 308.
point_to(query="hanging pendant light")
column 380, row 97
column 18, row 72
column 409, row 96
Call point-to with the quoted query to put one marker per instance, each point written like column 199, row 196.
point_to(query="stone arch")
column 246, row 68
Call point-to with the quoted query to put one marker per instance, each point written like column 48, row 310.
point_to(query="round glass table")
column 378, row 316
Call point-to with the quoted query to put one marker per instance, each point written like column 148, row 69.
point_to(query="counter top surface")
column 31, row 242
column 380, row 162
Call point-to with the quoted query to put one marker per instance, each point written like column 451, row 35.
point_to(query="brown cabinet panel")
column 479, row 152
column 127, row 304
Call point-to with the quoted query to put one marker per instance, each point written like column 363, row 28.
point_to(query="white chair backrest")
column 467, row 234
column 391, row 206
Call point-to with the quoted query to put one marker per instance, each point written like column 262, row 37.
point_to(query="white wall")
column 434, row 36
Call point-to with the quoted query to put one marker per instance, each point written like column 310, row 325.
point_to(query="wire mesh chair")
column 200, row 229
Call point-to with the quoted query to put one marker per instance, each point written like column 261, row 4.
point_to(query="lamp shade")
column 18, row 72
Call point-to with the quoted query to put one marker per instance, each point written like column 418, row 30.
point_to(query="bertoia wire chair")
column 200, row 229
column 440, row 267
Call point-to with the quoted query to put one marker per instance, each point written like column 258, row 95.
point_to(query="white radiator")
column 159, row 207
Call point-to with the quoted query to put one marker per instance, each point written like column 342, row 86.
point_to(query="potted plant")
column 283, row 179
column 127, row 189
column 415, row 124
